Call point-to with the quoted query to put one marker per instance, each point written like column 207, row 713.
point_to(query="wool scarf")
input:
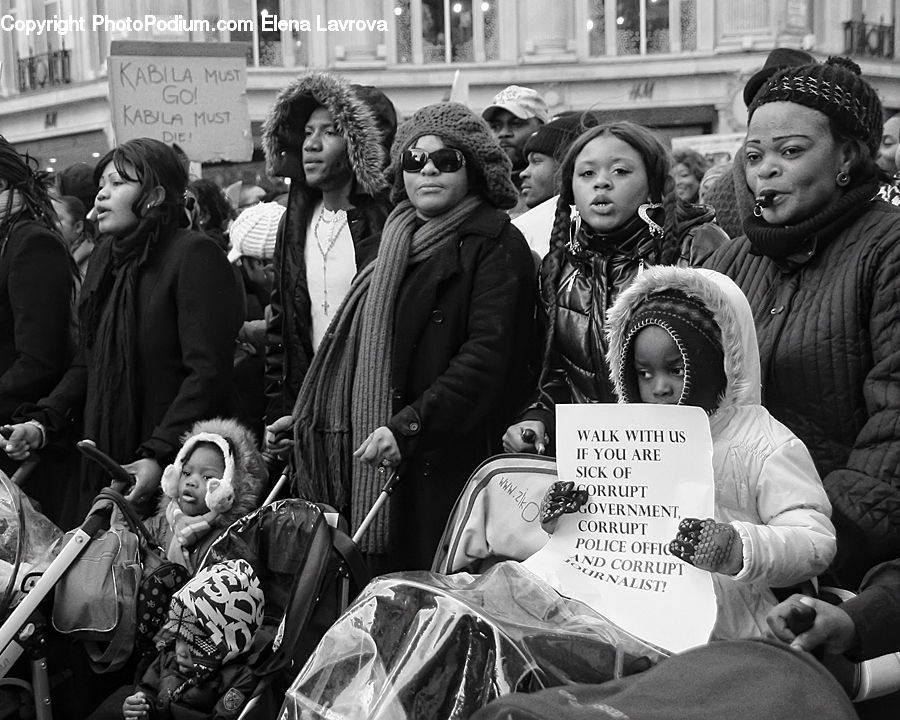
column 794, row 245
column 108, row 321
column 346, row 392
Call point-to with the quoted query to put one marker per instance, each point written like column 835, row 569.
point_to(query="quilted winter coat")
column 829, row 337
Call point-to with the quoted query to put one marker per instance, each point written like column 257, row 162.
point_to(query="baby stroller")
column 442, row 644
column 27, row 545
column 32, row 577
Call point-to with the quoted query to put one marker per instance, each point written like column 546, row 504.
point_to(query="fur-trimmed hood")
column 730, row 309
column 364, row 116
column 249, row 474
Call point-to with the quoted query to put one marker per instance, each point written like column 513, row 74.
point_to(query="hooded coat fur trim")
column 249, row 475
column 284, row 125
column 730, row 309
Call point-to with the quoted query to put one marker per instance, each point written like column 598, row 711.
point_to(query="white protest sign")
column 192, row 94
column 645, row 467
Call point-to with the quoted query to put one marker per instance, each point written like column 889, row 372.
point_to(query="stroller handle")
column 122, row 479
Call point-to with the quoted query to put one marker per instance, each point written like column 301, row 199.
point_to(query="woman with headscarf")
column 158, row 317
column 427, row 357
column 819, row 265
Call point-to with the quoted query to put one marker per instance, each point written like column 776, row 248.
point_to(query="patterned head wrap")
column 217, row 613
column 834, row 88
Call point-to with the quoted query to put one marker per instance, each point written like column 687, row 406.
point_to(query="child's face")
column 183, row 658
column 203, row 464
column 659, row 366
column 609, row 183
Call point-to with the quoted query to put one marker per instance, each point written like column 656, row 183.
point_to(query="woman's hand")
column 807, row 624
column 147, row 475
column 22, row 439
column 379, row 449
column 528, row 436
column 279, row 438
column 136, row 707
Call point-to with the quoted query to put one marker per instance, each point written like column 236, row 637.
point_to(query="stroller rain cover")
column 423, row 645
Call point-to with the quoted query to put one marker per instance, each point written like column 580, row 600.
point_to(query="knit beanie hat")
column 219, row 492
column 834, row 88
column 462, row 129
column 554, row 138
column 217, row 612
column 695, row 332
column 254, row 231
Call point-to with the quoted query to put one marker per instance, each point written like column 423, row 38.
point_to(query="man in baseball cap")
column 514, row 114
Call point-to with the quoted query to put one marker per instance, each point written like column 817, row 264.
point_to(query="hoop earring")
column 757, row 210
column 842, row 179
column 655, row 229
column 574, row 244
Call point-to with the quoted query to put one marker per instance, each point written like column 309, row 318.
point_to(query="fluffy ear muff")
column 219, row 495
column 170, row 481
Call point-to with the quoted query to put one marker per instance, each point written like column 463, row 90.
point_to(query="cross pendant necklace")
column 336, row 224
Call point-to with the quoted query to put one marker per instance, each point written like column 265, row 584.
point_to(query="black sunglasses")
column 446, row 160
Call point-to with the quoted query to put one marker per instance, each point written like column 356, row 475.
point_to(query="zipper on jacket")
column 566, row 285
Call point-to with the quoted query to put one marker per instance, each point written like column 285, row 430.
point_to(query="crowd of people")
column 427, row 292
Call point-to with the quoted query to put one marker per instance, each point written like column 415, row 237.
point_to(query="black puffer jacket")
column 829, row 336
column 586, row 277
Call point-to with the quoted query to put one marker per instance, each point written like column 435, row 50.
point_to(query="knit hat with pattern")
column 692, row 327
column 462, row 129
column 834, row 88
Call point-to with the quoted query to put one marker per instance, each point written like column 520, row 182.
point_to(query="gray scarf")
column 343, row 400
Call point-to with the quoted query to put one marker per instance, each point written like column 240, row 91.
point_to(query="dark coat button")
column 414, row 426
column 437, row 316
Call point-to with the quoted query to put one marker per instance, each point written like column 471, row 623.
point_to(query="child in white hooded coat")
column 772, row 523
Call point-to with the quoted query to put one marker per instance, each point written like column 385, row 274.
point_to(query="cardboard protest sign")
column 645, row 467
column 192, row 94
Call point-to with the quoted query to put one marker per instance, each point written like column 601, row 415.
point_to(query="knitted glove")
column 708, row 545
column 561, row 498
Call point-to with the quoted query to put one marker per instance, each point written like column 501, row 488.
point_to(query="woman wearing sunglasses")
column 428, row 357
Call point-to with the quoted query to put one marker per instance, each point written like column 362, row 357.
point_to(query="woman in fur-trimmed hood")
column 336, row 207
column 193, row 513
column 766, row 486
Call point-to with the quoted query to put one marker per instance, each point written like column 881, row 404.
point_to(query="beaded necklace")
column 336, row 224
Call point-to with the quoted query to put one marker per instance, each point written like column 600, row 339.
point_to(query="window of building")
column 641, row 27
column 446, row 31
column 275, row 37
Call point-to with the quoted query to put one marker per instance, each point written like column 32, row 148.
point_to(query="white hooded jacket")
column 766, row 485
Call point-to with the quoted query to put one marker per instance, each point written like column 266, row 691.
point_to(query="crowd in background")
column 428, row 291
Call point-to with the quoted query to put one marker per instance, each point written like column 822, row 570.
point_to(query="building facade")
column 677, row 65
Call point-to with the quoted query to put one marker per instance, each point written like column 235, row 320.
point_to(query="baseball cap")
column 522, row 102
column 254, row 231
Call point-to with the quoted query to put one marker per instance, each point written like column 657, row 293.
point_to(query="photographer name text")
column 179, row 24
